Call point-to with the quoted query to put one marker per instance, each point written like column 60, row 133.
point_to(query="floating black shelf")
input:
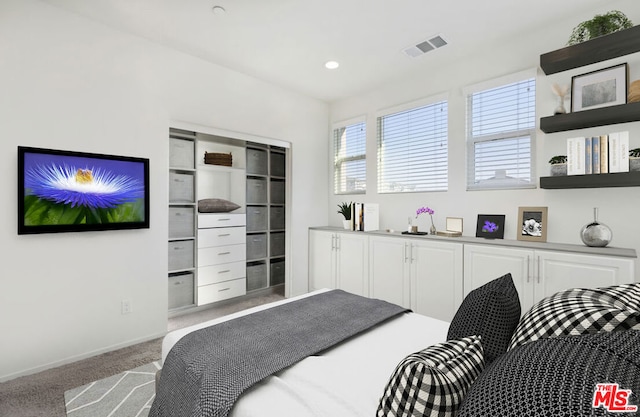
column 618, row 179
column 595, row 50
column 621, row 113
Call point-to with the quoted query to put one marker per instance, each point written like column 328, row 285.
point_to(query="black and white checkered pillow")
column 581, row 311
column 434, row 381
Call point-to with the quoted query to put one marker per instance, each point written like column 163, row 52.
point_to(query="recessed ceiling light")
column 218, row 10
column 331, row 64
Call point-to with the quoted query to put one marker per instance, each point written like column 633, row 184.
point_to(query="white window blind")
column 500, row 131
column 350, row 159
column 412, row 150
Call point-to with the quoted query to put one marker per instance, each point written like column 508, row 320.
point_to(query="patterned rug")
column 128, row 394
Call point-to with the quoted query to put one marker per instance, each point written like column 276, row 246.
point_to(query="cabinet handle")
column 224, row 235
column 333, row 243
column 223, row 220
column 224, row 253
column 405, row 253
column 224, row 289
column 538, row 269
column 224, row 272
column 528, row 268
column 337, row 242
column 411, row 259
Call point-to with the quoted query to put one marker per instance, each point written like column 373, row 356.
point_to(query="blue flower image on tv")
column 489, row 227
column 72, row 190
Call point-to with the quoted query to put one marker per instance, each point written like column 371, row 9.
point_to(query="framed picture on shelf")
column 601, row 88
column 532, row 224
column 490, row 226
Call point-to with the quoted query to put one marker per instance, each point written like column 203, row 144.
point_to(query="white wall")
column 69, row 83
column 569, row 210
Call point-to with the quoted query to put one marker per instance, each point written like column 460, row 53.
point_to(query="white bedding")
column 346, row 380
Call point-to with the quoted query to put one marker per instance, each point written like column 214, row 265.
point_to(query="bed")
column 411, row 364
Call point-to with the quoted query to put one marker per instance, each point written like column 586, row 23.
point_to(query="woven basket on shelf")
column 214, row 158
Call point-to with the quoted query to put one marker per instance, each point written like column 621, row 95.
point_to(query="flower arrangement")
column 430, row 212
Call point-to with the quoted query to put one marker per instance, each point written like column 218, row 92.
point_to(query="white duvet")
column 346, row 380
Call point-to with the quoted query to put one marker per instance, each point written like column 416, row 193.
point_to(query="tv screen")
column 65, row 191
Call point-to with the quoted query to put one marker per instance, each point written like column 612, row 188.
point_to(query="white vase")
column 558, row 170
column 346, row 224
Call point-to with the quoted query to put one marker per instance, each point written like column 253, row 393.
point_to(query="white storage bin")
column 181, row 254
column 181, row 188
column 256, row 246
column 181, row 153
column 181, row 222
column 180, row 290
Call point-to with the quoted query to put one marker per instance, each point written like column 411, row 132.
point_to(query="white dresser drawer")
column 223, row 272
column 221, row 291
column 221, row 255
column 221, row 236
column 221, row 220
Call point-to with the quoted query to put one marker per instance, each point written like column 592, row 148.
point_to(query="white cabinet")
column 436, row 278
column 338, row 260
column 221, row 257
column 421, row 275
column 540, row 273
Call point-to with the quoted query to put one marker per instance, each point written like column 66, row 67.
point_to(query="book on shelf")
column 365, row 217
column 598, row 154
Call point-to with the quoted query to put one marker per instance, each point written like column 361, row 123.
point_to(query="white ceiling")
column 287, row 42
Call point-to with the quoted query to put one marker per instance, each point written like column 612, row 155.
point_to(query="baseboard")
column 71, row 359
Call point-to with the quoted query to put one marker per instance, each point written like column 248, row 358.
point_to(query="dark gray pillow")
column 216, row 205
column 434, row 381
column 560, row 377
column 492, row 312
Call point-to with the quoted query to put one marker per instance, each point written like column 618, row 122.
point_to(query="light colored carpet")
column 128, row 394
column 42, row 394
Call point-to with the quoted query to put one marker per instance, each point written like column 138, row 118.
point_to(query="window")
column 412, row 150
column 500, row 131
column 350, row 159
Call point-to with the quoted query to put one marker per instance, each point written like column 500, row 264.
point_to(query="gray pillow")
column 491, row 311
column 216, row 205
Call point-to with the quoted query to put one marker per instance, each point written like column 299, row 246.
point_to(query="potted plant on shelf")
column 634, row 159
column 600, row 25
column 558, row 165
column 345, row 210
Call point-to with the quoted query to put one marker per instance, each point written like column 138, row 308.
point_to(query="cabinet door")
column 436, row 278
column 321, row 260
column 389, row 270
column 484, row 263
column 352, row 268
column 558, row 271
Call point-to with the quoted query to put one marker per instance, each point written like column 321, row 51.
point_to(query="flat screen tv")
column 65, row 191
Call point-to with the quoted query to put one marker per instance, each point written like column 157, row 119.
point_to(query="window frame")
column 506, row 135
column 339, row 161
column 432, row 100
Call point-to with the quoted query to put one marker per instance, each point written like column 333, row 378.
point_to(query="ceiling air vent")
column 425, row 46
